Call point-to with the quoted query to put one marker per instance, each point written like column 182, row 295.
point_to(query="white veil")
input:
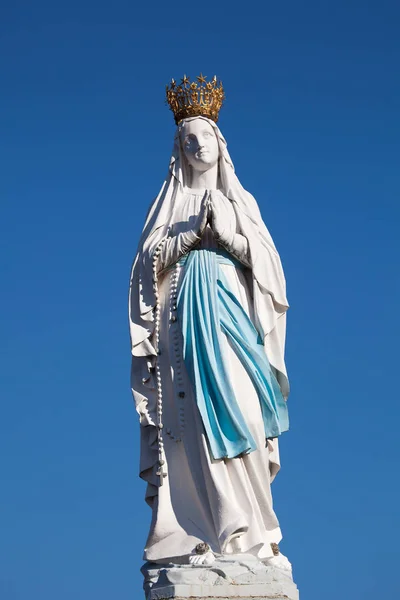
column 269, row 287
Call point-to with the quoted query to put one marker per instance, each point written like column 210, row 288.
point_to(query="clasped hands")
column 211, row 213
column 223, row 228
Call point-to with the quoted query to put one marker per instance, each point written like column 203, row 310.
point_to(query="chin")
column 205, row 163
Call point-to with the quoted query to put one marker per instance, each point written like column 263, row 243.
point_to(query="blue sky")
column 312, row 123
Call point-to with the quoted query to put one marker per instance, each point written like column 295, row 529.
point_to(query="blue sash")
column 208, row 310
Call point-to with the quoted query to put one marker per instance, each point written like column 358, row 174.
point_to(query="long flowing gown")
column 226, row 503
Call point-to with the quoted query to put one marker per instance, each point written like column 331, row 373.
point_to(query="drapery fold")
column 208, row 311
column 268, row 282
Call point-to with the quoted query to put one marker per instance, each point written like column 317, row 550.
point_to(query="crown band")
column 193, row 99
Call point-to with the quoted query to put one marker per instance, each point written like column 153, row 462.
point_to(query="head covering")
column 269, row 287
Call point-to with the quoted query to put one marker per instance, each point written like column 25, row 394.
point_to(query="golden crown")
column 198, row 98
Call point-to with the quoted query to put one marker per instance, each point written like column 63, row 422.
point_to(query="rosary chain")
column 161, row 457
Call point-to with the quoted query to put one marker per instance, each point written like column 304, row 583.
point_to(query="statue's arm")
column 176, row 246
column 238, row 246
column 225, row 233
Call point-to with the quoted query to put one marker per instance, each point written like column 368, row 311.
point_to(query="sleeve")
column 238, row 246
column 175, row 247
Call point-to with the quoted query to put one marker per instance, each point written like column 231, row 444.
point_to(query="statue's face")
column 199, row 144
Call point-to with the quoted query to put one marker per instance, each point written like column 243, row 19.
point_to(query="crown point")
column 201, row 78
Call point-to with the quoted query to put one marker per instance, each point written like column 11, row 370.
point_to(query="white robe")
column 225, row 503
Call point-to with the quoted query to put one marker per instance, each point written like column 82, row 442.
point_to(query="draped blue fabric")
column 208, row 311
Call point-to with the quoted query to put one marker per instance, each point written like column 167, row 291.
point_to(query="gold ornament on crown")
column 198, row 98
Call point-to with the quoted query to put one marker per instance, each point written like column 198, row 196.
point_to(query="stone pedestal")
column 236, row 578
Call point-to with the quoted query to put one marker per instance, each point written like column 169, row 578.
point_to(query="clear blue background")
column 312, row 123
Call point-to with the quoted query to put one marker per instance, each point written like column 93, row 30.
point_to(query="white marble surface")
column 241, row 577
column 194, row 498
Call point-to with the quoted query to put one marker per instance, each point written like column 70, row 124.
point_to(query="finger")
column 217, row 209
column 203, row 206
column 203, row 216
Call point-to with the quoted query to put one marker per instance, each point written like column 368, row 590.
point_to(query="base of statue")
column 240, row 577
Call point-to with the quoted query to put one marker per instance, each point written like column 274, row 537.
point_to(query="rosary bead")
column 157, row 320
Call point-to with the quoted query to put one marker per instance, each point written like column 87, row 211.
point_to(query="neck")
column 206, row 180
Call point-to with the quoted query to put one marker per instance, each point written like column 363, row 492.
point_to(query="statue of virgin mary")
column 207, row 310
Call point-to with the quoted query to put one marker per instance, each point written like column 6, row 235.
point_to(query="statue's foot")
column 202, row 555
column 202, row 559
column 279, row 562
